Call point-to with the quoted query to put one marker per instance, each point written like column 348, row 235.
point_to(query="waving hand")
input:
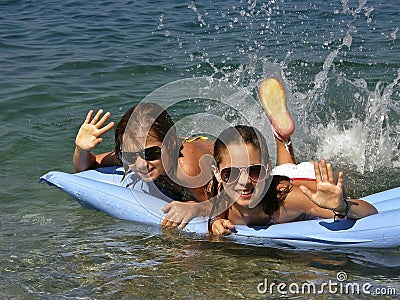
column 329, row 194
column 89, row 134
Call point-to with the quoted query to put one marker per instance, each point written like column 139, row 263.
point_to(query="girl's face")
column 243, row 190
column 147, row 162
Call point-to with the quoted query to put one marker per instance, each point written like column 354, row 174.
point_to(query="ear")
column 216, row 173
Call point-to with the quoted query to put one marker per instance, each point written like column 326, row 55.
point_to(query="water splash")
column 341, row 116
column 382, row 134
column 367, row 141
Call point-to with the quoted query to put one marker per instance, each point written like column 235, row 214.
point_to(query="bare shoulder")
column 194, row 166
column 107, row 159
column 194, row 155
column 294, row 206
column 197, row 147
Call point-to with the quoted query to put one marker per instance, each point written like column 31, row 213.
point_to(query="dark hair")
column 144, row 115
column 274, row 197
column 240, row 134
column 120, row 130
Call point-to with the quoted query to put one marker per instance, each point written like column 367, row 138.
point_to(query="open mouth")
column 246, row 193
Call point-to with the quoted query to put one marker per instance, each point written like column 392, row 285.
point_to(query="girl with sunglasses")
column 145, row 126
column 147, row 146
column 247, row 193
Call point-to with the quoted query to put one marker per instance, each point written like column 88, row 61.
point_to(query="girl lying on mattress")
column 244, row 189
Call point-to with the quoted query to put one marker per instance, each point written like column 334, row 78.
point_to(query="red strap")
column 304, row 179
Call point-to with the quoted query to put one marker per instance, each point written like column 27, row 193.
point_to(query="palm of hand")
column 327, row 195
column 87, row 137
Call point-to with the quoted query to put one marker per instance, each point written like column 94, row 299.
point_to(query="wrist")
column 343, row 211
column 343, row 206
column 211, row 222
column 80, row 149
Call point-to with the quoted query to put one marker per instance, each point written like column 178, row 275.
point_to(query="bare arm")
column 88, row 137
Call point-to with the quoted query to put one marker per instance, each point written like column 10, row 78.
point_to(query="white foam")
column 343, row 143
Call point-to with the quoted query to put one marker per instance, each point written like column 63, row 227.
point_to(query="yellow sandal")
column 273, row 100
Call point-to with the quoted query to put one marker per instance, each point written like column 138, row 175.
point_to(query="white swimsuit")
column 301, row 171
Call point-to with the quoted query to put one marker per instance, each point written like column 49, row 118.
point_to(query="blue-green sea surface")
column 340, row 61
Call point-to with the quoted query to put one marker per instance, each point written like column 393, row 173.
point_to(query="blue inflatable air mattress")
column 101, row 190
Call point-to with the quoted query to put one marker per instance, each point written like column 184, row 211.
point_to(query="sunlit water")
column 339, row 61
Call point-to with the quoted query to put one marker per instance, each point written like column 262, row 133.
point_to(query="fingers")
column 174, row 217
column 330, row 178
column 98, row 121
column 88, row 117
column 167, row 207
column 169, row 219
column 171, row 224
column 340, row 180
column 229, row 224
column 222, row 227
column 106, row 128
column 306, row 191
column 103, row 120
column 323, row 172
column 96, row 117
column 183, row 224
column 317, row 172
column 168, row 223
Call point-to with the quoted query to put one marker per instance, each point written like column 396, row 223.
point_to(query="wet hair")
column 273, row 198
column 144, row 116
column 120, row 130
column 237, row 135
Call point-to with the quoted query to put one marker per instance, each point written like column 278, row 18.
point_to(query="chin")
column 150, row 178
column 245, row 201
column 242, row 202
column 147, row 179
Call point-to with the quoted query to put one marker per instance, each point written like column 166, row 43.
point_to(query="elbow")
column 361, row 209
column 372, row 210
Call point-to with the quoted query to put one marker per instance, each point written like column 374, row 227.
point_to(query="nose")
column 243, row 177
column 140, row 164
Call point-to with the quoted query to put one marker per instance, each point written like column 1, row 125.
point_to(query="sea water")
column 339, row 61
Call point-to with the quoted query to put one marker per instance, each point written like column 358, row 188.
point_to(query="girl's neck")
column 246, row 216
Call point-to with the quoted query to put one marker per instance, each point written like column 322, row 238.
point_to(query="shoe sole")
column 273, row 100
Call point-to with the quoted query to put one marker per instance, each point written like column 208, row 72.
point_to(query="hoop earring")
column 219, row 188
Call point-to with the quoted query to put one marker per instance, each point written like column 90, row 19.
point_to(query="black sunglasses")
column 256, row 173
column 151, row 153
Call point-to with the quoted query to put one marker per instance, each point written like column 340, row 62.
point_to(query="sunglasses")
column 256, row 173
column 151, row 153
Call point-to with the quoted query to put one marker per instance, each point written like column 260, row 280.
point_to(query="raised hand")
column 89, row 134
column 329, row 194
